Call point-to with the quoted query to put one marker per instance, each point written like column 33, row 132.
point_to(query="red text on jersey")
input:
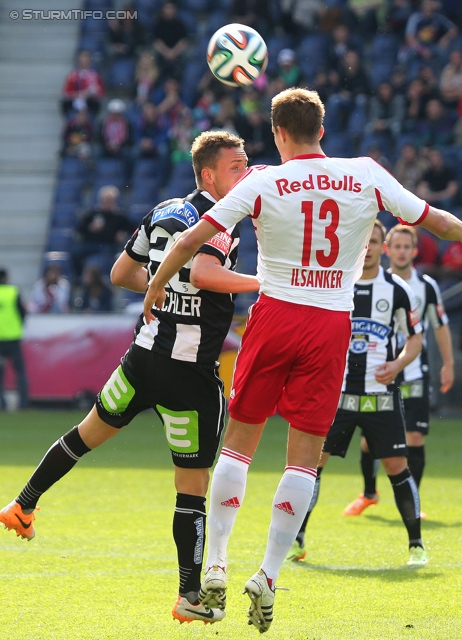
column 320, row 182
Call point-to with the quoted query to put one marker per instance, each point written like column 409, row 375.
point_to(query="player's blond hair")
column 206, row 150
column 402, row 228
column 300, row 112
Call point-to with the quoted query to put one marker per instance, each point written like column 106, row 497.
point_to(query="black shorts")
column 187, row 396
column 416, row 399
column 381, row 419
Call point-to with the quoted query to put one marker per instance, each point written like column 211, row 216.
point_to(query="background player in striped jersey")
column 383, row 304
column 172, row 364
column 313, row 218
column 401, row 249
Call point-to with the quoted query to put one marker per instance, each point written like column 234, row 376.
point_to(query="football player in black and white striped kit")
column 370, row 400
column 401, row 250
column 171, row 366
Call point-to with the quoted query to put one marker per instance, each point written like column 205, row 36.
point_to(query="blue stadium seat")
column 146, row 169
column 60, row 239
column 311, row 54
column 384, row 48
column 194, row 70
column 338, row 146
column 60, row 259
column 93, row 26
column 178, row 188
column 72, row 169
column 275, row 43
column 110, row 170
column 121, row 73
column 98, row 5
column 64, row 215
column 145, row 192
column 197, row 6
column 189, row 18
column 68, row 191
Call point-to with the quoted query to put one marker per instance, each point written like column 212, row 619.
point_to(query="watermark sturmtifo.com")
column 72, row 14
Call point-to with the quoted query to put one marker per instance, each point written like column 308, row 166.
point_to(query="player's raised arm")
column 181, row 251
column 208, row 273
column 443, row 224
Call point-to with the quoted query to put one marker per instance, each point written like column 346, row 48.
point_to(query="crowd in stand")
column 388, row 71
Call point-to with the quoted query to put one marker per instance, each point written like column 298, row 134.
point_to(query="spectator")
column 171, row 105
column 205, row 109
column 451, row 265
column 397, row 17
column 370, row 15
column 428, row 35
column 376, row 152
column 50, row 294
column 410, row 167
column 255, row 129
column 116, row 135
column 340, row 42
column 96, row 294
column 287, row 68
column 147, row 76
column 102, row 231
column 416, row 102
column 226, row 115
column 78, row 133
column 428, row 248
column 386, row 114
column 12, row 314
column 439, row 185
column 170, row 41
column 126, row 35
column 253, row 13
column 436, row 129
column 152, row 133
column 182, row 134
column 354, row 89
column 451, row 80
column 300, row 17
column 326, row 83
column 85, row 83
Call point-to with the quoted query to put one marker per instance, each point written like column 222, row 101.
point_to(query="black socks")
column 58, row 460
column 189, row 522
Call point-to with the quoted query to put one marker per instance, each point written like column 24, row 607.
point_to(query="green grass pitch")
column 103, row 563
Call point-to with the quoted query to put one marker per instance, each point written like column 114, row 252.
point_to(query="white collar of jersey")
column 207, row 195
column 372, row 280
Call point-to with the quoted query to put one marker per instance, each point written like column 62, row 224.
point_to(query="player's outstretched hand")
column 153, row 298
column 386, row 373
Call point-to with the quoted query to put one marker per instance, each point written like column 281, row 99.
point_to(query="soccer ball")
column 237, row 55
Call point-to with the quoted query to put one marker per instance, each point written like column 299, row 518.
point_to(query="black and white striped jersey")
column 193, row 323
column 431, row 311
column 382, row 306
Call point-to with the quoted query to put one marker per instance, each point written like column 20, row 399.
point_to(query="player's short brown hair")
column 402, row 228
column 206, row 149
column 300, row 112
column 382, row 228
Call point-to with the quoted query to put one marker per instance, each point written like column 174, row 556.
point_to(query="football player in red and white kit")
column 313, row 217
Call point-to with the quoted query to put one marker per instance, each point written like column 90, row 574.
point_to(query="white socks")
column 226, row 495
column 290, row 505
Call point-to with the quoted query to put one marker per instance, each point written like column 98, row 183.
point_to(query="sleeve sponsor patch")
column 414, row 317
column 221, row 241
column 440, row 310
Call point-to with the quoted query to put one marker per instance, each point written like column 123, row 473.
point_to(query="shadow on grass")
column 386, row 574
column 428, row 524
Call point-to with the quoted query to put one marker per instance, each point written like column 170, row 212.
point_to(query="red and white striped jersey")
column 313, row 218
